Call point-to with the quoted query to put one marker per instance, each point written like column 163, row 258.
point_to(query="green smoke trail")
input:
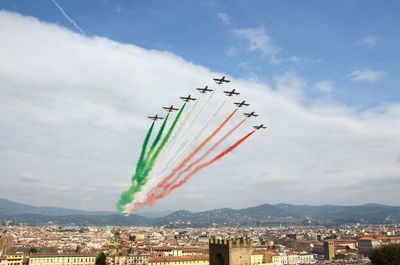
column 157, row 139
column 161, row 146
column 140, row 178
column 126, row 196
column 139, row 164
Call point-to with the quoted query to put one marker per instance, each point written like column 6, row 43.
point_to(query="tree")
column 385, row 255
column 33, row 250
column 101, row 259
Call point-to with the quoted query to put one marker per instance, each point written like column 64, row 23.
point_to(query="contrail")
column 68, row 17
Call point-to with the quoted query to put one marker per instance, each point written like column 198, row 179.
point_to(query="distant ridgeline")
column 263, row 214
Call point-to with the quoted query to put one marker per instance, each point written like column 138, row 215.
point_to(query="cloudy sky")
column 79, row 77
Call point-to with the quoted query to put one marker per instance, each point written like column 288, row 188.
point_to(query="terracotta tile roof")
column 178, row 258
column 55, row 255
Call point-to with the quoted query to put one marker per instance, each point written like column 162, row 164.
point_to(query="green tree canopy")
column 385, row 255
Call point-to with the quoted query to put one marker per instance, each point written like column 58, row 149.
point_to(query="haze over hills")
column 265, row 214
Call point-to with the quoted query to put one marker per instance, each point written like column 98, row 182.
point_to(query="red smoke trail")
column 193, row 153
column 152, row 198
column 201, row 158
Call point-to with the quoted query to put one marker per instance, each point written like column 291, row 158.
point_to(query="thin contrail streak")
column 68, row 17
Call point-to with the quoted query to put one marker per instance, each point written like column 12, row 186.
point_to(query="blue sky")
column 322, row 75
column 320, row 40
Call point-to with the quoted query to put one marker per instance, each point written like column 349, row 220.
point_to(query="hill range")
column 265, row 214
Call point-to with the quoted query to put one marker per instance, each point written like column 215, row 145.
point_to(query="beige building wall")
column 62, row 259
column 179, row 262
column 15, row 259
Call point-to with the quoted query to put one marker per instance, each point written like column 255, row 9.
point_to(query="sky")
column 79, row 77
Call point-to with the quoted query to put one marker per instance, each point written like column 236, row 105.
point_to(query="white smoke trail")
column 190, row 144
column 68, row 17
column 183, row 139
column 142, row 195
column 166, row 150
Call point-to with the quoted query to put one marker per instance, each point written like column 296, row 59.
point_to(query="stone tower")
column 230, row 252
column 329, row 249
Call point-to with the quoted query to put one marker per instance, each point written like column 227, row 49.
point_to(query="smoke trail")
column 168, row 147
column 144, row 147
column 174, row 151
column 202, row 157
column 141, row 178
column 152, row 198
column 176, row 158
column 193, row 153
column 164, row 141
column 172, row 147
column 157, row 139
column 211, row 161
column 190, row 144
column 125, row 198
column 68, row 17
column 174, row 138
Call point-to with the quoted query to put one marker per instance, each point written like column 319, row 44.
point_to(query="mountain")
column 19, row 212
column 268, row 214
column 13, row 208
column 265, row 214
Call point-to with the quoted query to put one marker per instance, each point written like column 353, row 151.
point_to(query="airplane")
column 204, row 90
column 188, row 98
column 170, row 109
column 251, row 114
column 221, row 80
column 241, row 104
column 261, row 126
column 231, row 93
column 155, row 118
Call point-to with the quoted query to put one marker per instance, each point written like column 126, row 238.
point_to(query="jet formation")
column 230, row 93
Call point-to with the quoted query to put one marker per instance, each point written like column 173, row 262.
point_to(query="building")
column 230, row 252
column 138, row 259
column 179, row 260
column 167, row 251
column 329, row 250
column 63, row 259
column 15, row 259
column 366, row 244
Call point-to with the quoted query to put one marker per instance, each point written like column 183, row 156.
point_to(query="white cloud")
column 224, row 18
column 259, row 40
column 370, row 41
column 367, row 75
column 325, row 86
column 73, row 115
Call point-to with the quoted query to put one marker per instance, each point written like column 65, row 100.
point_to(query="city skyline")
column 74, row 102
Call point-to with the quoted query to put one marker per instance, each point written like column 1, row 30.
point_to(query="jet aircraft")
column 251, row 114
column 155, row 118
column 241, row 104
column 188, row 98
column 221, row 80
column 231, row 93
column 204, row 90
column 261, row 126
column 170, row 109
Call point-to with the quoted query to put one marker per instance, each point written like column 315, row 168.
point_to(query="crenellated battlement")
column 232, row 243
